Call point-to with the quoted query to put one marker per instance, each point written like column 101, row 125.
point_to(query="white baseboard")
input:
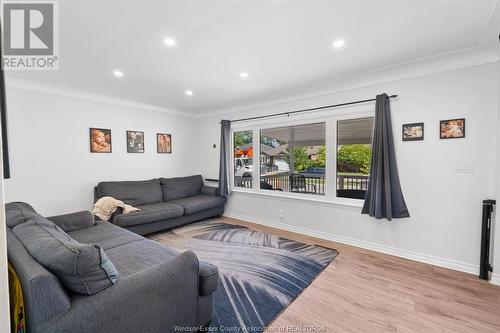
column 425, row 258
column 495, row 279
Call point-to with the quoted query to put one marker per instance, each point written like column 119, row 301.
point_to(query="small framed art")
column 100, row 140
column 135, row 142
column 164, row 143
column 413, row 132
column 452, row 128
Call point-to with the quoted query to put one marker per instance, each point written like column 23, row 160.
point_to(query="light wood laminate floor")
column 366, row 291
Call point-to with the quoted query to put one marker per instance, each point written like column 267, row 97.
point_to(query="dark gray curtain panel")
column 225, row 146
column 384, row 198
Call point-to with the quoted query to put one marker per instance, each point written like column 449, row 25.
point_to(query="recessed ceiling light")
column 338, row 44
column 118, row 73
column 169, row 41
column 189, row 92
column 243, row 75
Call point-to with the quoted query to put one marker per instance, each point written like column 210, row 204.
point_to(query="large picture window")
column 325, row 160
column 354, row 137
column 293, row 159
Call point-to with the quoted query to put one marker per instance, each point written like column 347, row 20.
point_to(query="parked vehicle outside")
column 281, row 165
column 243, row 167
column 314, row 171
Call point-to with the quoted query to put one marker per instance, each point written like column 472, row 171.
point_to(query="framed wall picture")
column 100, row 140
column 164, row 143
column 413, row 132
column 135, row 142
column 452, row 128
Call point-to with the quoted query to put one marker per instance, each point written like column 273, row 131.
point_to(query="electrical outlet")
column 282, row 214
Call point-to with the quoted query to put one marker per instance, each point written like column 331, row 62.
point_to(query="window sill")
column 352, row 204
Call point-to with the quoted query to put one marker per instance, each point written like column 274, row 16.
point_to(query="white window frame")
column 330, row 120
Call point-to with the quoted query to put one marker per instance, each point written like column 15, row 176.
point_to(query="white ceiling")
column 283, row 45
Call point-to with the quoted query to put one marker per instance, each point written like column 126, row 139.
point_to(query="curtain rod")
column 307, row 110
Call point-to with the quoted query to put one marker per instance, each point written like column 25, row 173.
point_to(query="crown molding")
column 45, row 87
column 489, row 35
column 456, row 60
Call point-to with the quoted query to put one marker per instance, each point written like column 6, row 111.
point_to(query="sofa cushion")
column 73, row 221
column 133, row 193
column 18, row 212
column 200, row 202
column 181, row 187
column 149, row 213
column 138, row 256
column 105, row 234
column 209, row 278
column 82, row 268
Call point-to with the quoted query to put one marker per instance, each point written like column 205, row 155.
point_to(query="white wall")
column 495, row 278
column 52, row 167
column 445, row 206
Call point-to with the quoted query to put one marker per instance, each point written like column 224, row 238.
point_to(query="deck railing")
column 245, row 182
column 352, row 183
column 309, row 184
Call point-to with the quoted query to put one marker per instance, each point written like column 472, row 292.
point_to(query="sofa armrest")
column 152, row 300
column 73, row 221
column 162, row 278
column 209, row 278
column 210, row 190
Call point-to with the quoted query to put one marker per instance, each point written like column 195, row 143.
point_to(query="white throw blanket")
column 106, row 206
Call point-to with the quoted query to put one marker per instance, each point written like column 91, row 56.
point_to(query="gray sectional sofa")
column 164, row 203
column 154, row 287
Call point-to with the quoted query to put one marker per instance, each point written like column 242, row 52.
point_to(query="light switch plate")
column 467, row 167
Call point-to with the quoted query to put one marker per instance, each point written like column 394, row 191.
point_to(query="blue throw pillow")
column 82, row 268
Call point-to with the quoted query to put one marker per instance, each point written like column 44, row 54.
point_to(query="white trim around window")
column 330, row 197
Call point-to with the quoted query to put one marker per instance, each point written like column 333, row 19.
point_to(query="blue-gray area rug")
column 261, row 273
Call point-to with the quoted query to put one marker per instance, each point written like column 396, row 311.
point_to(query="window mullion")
column 256, row 158
column 331, row 158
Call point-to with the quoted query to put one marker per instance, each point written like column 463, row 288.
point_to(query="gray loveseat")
column 164, row 203
column 157, row 287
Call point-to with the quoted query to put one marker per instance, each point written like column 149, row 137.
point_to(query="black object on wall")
column 3, row 117
column 484, row 262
